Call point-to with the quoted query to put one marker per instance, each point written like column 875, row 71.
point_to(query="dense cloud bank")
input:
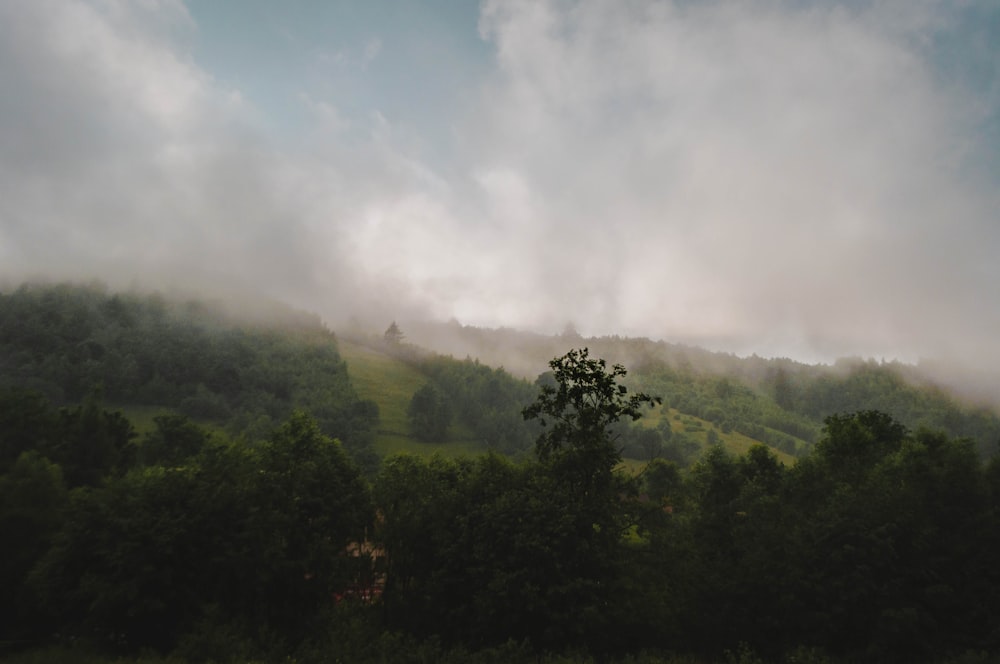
column 803, row 179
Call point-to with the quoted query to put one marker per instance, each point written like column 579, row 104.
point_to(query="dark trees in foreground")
column 877, row 547
column 487, row 551
column 227, row 538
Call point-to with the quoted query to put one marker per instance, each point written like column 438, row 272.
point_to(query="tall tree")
column 578, row 454
column 577, row 413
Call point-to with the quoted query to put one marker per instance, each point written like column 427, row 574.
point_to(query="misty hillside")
column 235, row 527
column 486, row 404
column 777, row 401
column 245, row 366
column 241, row 366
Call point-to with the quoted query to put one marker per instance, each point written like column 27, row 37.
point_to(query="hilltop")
column 244, row 367
column 778, row 401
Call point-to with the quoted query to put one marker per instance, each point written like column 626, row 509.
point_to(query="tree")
column 32, row 501
column 663, row 481
column 393, row 335
column 235, row 538
column 430, row 415
column 576, row 480
column 27, row 422
column 313, row 502
column 175, row 439
column 584, row 402
column 92, row 443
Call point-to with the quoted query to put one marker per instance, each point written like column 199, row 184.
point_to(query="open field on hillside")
column 142, row 417
column 697, row 429
column 391, row 383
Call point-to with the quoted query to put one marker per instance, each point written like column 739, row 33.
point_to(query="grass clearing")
column 391, row 383
column 142, row 417
column 697, row 429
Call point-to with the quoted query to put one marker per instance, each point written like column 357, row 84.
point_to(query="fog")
column 800, row 179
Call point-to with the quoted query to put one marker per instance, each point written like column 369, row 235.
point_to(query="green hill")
column 389, row 376
column 245, row 367
column 390, row 383
column 777, row 401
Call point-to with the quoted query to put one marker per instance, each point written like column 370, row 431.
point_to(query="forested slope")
column 246, row 368
column 779, row 402
column 222, row 544
column 243, row 369
column 485, row 405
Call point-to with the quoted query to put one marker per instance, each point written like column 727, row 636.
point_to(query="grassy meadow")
column 390, row 383
column 697, row 429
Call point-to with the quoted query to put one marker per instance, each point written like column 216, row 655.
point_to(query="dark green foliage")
column 681, row 449
column 124, row 567
column 903, row 518
column 485, row 551
column 641, row 443
column 254, row 540
column 578, row 456
column 877, row 546
column 175, row 439
column 27, row 422
column 487, row 400
column 91, row 443
column 246, row 373
column 32, row 501
column 777, row 402
column 887, row 388
column 87, row 441
column 430, row 415
column 579, row 410
column 663, row 482
column 783, row 404
column 312, row 503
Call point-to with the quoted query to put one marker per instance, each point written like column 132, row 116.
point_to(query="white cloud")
column 723, row 169
column 787, row 178
column 121, row 159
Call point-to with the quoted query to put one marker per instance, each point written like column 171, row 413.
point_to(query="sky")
column 789, row 178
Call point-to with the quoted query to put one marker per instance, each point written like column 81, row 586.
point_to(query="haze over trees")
column 239, row 535
column 243, row 368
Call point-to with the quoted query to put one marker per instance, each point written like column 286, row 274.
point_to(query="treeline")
column 489, row 401
column 245, row 370
column 784, row 403
column 889, row 387
column 876, row 547
column 182, row 541
column 779, row 402
column 730, row 406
